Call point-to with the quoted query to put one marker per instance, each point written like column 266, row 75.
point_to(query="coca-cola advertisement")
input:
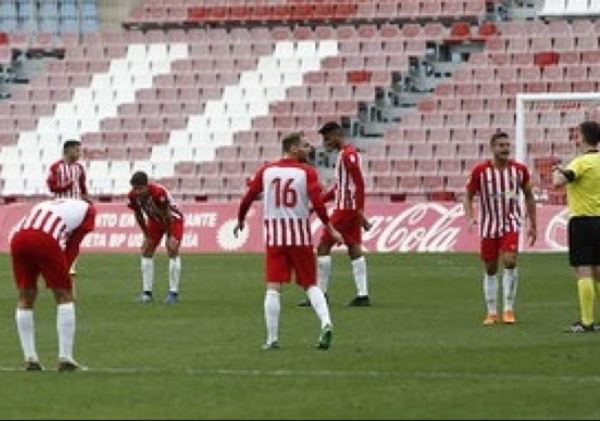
column 396, row 228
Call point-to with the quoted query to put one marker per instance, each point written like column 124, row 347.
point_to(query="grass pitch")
column 419, row 352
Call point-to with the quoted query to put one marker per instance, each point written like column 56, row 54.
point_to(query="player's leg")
column 278, row 271
column 303, row 261
column 359, row 272
column 323, row 266
column 73, row 269
column 56, row 273
column 351, row 228
column 65, row 328
column 509, row 247
column 174, row 261
column 26, row 327
column 510, row 283
column 55, row 270
column 324, row 262
column 25, row 273
column 490, row 250
column 155, row 234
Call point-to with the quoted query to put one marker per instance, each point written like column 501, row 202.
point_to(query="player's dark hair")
column 70, row 143
column 139, row 178
column 292, row 139
column 498, row 135
column 331, row 127
column 590, row 130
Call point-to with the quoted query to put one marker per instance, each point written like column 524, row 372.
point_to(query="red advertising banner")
column 397, row 227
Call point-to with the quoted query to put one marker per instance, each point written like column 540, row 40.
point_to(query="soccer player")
column 157, row 215
column 348, row 217
column 498, row 182
column 582, row 180
column 290, row 187
column 46, row 242
column 67, row 177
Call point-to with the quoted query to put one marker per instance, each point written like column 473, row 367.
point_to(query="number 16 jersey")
column 290, row 188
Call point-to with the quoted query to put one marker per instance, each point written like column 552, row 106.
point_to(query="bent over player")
column 290, row 188
column 157, row 215
column 46, row 242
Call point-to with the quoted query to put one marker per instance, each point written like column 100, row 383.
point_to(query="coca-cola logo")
column 426, row 227
column 555, row 235
column 423, row 227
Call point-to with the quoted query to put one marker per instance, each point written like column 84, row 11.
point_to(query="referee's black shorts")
column 584, row 241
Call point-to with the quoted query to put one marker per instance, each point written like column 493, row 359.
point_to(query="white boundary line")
column 434, row 375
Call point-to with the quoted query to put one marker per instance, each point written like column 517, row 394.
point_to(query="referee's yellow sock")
column 585, row 288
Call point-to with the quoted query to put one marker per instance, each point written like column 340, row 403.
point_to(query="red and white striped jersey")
column 498, row 189
column 289, row 187
column 151, row 204
column 349, row 191
column 67, row 179
column 60, row 218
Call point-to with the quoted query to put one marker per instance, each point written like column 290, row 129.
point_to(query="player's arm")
column 329, row 195
column 88, row 225
column 527, row 189
column 83, row 186
column 472, row 188
column 352, row 165
column 166, row 217
column 531, row 211
column 139, row 216
column 314, row 195
column 562, row 176
column 255, row 188
column 53, row 181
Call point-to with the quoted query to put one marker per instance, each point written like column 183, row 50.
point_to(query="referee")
column 582, row 180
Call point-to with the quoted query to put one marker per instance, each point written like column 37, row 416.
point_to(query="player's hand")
column 145, row 243
column 471, row 224
column 335, row 234
column 366, row 224
column 172, row 243
column 239, row 227
column 532, row 235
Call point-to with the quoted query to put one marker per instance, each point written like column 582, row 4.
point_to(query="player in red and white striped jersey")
column 67, row 176
column 158, row 215
column 348, row 216
column 46, row 242
column 498, row 182
column 290, row 187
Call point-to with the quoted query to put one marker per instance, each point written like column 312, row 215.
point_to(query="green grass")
column 419, row 352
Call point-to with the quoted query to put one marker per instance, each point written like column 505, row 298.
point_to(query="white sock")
column 26, row 330
column 147, row 273
column 174, row 273
column 490, row 292
column 359, row 270
column 510, row 281
column 65, row 326
column 319, row 304
column 323, row 272
column 272, row 310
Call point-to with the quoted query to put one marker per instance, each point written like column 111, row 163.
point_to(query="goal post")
column 523, row 100
column 562, row 113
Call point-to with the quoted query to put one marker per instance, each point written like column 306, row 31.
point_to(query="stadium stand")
column 198, row 92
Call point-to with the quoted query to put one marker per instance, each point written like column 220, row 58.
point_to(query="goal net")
column 546, row 133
